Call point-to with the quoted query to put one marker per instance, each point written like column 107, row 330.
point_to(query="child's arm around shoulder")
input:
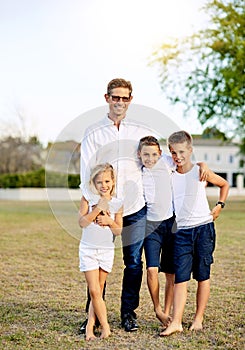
column 224, row 189
column 204, row 170
column 84, row 217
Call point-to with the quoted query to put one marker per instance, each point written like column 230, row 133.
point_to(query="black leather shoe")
column 82, row 329
column 129, row 323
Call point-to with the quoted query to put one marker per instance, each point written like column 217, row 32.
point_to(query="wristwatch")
column 221, row 203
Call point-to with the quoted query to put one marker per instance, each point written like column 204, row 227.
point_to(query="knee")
column 132, row 254
column 169, row 278
column 95, row 293
column 134, row 265
column 152, row 272
column 133, row 260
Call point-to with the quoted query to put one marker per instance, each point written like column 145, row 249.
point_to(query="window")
column 231, row 158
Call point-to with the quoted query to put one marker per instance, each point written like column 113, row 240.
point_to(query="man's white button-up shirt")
column 104, row 142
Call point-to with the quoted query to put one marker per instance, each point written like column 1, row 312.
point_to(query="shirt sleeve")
column 168, row 160
column 148, row 185
column 87, row 161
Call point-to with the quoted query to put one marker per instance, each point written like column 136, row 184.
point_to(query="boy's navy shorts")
column 193, row 252
column 159, row 244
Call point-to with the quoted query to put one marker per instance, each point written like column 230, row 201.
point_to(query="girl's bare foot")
column 89, row 335
column 172, row 328
column 196, row 326
column 163, row 318
column 105, row 332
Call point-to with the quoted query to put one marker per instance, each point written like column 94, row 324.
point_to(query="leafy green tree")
column 206, row 71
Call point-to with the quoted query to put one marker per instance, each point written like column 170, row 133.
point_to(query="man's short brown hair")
column 119, row 82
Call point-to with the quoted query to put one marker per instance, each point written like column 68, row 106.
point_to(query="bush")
column 11, row 180
column 37, row 179
column 73, row 181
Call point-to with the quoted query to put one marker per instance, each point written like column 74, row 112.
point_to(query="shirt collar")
column 110, row 122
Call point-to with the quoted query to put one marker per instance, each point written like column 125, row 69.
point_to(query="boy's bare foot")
column 196, row 326
column 172, row 328
column 163, row 318
column 105, row 332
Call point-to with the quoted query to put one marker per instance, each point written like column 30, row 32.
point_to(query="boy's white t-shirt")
column 158, row 190
column 190, row 200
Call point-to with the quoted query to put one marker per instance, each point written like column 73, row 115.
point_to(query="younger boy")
column 156, row 171
column 194, row 240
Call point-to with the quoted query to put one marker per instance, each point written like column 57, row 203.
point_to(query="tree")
column 18, row 155
column 206, row 71
column 214, row 133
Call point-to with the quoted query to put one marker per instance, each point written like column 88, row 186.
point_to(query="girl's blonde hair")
column 97, row 170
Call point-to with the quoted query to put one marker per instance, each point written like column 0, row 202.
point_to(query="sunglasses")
column 118, row 98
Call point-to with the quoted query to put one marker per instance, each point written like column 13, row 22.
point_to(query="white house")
column 222, row 157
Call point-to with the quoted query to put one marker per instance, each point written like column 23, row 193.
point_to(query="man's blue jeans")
column 132, row 239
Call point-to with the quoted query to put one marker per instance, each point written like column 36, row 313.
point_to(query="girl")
column 101, row 220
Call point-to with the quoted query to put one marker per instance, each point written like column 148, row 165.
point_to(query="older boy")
column 195, row 236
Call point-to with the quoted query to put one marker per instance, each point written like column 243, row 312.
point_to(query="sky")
column 57, row 56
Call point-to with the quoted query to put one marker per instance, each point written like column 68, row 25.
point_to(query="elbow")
column 82, row 222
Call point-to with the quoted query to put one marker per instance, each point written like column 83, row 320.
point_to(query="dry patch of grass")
column 43, row 293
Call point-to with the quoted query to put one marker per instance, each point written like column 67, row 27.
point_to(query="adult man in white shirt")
column 115, row 139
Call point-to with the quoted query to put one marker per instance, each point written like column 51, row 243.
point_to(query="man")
column 114, row 139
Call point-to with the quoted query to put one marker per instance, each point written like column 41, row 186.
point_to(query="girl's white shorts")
column 93, row 259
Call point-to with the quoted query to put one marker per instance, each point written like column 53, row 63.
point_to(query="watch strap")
column 221, row 203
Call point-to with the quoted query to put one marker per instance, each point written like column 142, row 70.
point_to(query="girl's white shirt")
column 96, row 236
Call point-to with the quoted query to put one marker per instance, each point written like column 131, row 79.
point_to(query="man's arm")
column 87, row 160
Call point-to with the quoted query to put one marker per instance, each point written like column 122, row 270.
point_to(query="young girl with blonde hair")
column 101, row 220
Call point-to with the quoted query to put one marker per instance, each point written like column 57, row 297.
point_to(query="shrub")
column 37, row 179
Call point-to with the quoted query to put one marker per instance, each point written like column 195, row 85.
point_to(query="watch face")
column 221, row 203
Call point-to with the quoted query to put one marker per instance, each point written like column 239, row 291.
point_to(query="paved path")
column 64, row 194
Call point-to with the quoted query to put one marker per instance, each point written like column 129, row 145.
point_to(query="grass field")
column 43, row 293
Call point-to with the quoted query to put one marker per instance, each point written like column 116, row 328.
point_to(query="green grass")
column 43, row 293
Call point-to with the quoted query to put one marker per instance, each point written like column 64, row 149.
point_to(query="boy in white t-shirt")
column 194, row 240
column 158, row 243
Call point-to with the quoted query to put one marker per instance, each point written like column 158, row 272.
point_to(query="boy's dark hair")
column 119, row 82
column 148, row 141
column 179, row 137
